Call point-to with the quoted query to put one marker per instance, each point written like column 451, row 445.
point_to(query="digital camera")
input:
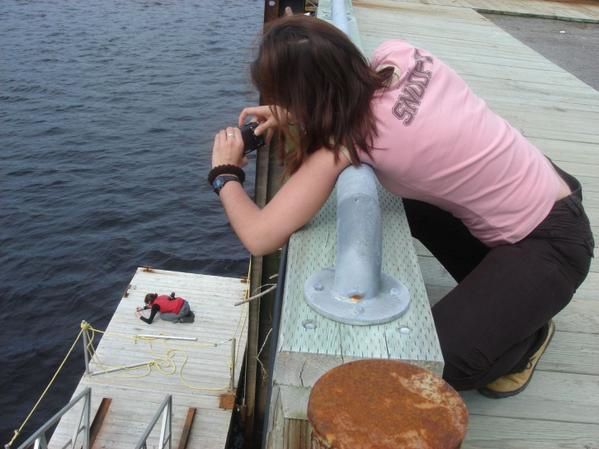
column 251, row 142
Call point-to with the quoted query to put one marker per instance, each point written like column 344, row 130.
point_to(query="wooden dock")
column 309, row 344
column 560, row 114
column 196, row 373
column 572, row 10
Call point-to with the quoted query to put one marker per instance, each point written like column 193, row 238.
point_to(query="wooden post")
column 232, row 371
column 271, row 10
column 267, row 183
column 385, row 404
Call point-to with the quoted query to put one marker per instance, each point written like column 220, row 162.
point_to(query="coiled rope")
column 164, row 363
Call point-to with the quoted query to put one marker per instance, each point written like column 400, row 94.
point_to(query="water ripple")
column 107, row 114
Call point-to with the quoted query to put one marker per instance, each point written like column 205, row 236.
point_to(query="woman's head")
column 150, row 297
column 316, row 73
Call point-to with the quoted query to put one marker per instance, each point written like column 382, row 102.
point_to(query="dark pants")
column 492, row 321
column 185, row 309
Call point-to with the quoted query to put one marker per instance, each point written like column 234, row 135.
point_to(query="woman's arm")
column 155, row 310
column 263, row 231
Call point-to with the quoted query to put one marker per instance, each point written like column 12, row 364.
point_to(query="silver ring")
column 230, row 134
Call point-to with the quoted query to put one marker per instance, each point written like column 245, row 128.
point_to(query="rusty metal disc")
column 385, row 404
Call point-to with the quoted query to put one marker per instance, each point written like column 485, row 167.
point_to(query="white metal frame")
column 166, row 410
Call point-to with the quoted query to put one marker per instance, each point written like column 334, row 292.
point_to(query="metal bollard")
column 356, row 291
column 339, row 15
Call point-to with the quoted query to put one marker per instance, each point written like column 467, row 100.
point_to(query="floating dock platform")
column 195, row 370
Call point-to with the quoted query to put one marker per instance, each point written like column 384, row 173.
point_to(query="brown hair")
column 314, row 71
column 150, row 297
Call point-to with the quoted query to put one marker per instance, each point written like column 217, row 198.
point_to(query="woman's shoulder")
column 396, row 53
column 394, row 47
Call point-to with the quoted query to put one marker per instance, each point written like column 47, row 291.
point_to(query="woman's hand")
column 263, row 230
column 228, row 148
column 265, row 117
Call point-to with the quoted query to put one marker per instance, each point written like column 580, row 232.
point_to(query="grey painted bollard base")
column 391, row 302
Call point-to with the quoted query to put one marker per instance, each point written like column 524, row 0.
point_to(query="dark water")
column 107, row 113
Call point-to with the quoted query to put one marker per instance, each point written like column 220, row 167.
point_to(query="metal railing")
column 39, row 440
column 166, row 411
column 355, row 291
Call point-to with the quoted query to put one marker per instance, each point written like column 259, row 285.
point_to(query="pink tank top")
column 440, row 143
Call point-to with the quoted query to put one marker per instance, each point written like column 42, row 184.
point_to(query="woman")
column 504, row 221
column 171, row 308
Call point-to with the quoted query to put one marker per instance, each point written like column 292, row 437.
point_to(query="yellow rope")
column 93, row 355
column 163, row 363
column 18, row 431
column 150, row 339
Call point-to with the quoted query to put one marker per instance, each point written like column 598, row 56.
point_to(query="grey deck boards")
column 560, row 114
column 575, row 10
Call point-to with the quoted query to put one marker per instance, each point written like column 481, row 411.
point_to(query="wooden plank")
column 266, row 185
column 550, row 396
column 98, row 420
column 579, row 11
column 572, row 353
column 589, row 289
column 574, row 10
column 184, row 439
column 495, row 432
column 298, row 434
column 303, row 370
column 580, row 316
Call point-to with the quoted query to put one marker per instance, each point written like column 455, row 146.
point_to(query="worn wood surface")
column 306, row 335
column 194, row 372
column 559, row 113
column 574, row 10
column 310, row 345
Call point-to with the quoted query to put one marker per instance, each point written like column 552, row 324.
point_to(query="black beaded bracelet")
column 227, row 169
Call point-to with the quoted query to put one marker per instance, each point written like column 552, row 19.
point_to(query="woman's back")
column 440, row 143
